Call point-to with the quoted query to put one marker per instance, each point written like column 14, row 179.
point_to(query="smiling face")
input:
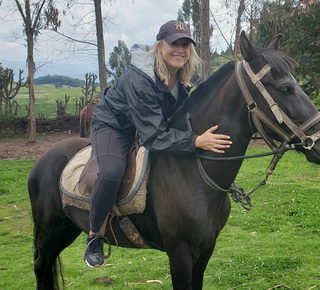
column 175, row 55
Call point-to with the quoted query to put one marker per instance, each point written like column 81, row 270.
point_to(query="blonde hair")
column 184, row 74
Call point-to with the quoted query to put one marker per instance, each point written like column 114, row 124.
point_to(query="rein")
column 258, row 117
column 237, row 192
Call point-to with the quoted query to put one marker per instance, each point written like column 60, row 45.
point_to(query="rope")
column 238, row 194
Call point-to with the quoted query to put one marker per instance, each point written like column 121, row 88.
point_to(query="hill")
column 59, row 81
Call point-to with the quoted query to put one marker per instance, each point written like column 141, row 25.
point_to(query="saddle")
column 78, row 177
column 89, row 174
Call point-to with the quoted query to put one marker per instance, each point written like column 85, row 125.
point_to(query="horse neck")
column 227, row 108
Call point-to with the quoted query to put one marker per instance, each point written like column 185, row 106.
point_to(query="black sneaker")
column 94, row 255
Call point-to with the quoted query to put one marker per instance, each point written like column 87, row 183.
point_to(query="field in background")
column 276, row 243
column 45, row 98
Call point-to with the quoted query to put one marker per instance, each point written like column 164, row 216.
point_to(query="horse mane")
column 279, row 61
column 209, row 86
column 201, row 94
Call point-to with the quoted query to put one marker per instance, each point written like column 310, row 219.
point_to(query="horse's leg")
column 199, row 268
column 202, row 262
column 50, row 239
column 181, row 264
column 53, row 231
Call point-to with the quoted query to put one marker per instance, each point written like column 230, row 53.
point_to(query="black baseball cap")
column 173, row 30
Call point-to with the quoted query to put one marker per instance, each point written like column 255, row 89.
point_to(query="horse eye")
column 286, row 90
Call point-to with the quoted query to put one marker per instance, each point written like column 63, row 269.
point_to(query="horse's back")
column 46, row 171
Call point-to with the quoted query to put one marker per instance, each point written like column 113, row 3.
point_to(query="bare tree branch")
column 76, row 40
column 216, row 23
column 39, row 11
column 21, row 11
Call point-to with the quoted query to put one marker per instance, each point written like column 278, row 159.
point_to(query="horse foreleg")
column 199, row 268
column 181, row 265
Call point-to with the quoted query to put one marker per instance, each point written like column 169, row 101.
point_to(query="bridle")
column 259, row 118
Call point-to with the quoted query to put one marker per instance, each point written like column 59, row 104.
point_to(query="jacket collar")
column 145, row 66
column 138, row 60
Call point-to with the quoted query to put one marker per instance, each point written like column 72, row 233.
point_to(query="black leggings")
column 110, row 148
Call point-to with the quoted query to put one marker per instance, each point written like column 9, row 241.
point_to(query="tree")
column 100, row 42
column 40, row 17
column 89, row 91
column 247, row 13
column 299, row 22
column 274, row 19
column 305, row 42
column 85, row 23
column 62, row 106
column 238, row 28
column 190, row 13
column 8, row 90
column 205, row 39
column 119, row 61
column 252, row 15
column 195, row 13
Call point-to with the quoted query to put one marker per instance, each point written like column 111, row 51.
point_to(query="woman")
column 142, row 100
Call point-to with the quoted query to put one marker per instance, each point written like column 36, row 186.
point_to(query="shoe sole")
column 95, row 266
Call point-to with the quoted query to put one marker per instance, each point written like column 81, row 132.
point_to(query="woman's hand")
column 213, row 142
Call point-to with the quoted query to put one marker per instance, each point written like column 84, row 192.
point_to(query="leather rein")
column 259, row 118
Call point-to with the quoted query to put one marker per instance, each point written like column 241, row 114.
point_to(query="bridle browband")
column 260, row 118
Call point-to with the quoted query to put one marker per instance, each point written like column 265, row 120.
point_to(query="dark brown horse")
column 85, row 119
column 185, row 211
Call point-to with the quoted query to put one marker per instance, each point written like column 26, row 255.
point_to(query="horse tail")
column 83, row 122
column 52, row 281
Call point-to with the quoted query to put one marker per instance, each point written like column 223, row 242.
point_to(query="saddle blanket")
column 134, row 202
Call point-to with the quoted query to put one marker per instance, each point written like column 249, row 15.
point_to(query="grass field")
column 45, row 98
column 276, row 244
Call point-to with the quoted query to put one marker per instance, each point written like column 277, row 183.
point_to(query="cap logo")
column 179, row 26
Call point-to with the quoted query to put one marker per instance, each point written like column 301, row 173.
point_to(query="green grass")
column 276, row 243
column 45, row 99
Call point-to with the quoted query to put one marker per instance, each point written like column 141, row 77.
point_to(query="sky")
column 133, row 21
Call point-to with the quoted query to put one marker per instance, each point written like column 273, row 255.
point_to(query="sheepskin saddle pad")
column 78, row 176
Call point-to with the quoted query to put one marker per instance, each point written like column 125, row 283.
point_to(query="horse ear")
column 274, row 44
column 247, row 50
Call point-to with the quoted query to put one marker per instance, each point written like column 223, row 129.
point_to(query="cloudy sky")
column 134, row 21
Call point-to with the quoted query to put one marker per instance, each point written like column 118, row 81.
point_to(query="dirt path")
column 19, row 148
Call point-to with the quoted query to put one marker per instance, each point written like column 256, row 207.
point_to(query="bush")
column 315, row 98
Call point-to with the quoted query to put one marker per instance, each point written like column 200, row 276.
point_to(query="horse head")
column 294, row 118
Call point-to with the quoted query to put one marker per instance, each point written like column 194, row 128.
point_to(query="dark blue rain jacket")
column 140, row 101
